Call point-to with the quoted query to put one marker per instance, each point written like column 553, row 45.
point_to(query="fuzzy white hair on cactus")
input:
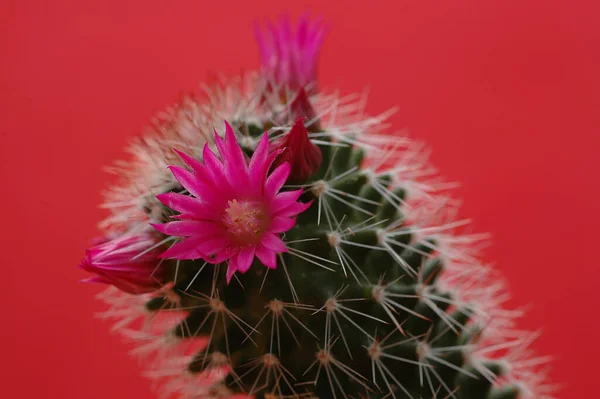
column 305, row 252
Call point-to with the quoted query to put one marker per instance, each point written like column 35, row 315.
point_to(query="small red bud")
column 303, row 156
column 301, row 106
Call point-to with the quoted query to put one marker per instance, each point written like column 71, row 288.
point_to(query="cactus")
column 371, row 287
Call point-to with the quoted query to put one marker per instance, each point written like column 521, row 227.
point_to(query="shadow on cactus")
column 303, row 253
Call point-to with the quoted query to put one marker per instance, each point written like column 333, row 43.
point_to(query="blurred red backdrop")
column 505, row 92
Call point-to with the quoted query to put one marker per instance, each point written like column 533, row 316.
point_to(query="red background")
column 505, row 92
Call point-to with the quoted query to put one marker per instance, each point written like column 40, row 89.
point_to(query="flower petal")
column 235, row 155
column 258, row 163
column 187, row 180
column 294, row 209
column 233, row 158
column 215, row 168
column 245, row 258
column 284, row 199
column 273, row 242
column 213, row 245
column 182, row 250
column 276, row 180
column 231, row 269
column 222, row 255
column 281, row 224
column 180, row 203
column 267, row 257
column 193, row 163
column 188, row 228
column 261, row 152
column 221, row 147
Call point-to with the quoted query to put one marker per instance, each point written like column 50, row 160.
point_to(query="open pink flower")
column 129, row 262
column 235, row 211
column 289, row 58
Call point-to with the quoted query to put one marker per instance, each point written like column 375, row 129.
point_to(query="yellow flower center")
column 245, row 221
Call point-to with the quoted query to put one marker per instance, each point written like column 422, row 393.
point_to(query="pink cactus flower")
column 289, row 56
column 236, row 211
column 128, row 262
column 303, row 155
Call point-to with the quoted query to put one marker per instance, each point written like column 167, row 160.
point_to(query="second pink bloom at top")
column 236, row 211
column 289, row 53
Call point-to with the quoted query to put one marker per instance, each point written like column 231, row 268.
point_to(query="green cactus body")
column 352, row 309
column 378, row 291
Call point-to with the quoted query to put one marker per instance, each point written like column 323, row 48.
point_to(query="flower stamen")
column 245, row 221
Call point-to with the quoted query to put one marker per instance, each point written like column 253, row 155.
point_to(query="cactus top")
column 372, row 288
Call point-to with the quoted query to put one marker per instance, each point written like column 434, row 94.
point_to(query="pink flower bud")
column 127, row 262
column 301, row 106
column 303, row 156
column 289, row 53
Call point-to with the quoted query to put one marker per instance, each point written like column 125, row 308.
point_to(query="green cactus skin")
column 354, row 309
